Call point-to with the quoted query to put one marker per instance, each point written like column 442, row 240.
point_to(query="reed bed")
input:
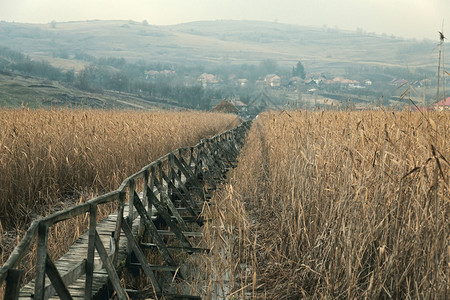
column 51, row 159
column 331, row 205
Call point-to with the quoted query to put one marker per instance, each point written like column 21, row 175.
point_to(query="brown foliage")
column 335, row 205
column 49, row 155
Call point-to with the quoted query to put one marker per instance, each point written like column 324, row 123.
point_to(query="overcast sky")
column 405, row 18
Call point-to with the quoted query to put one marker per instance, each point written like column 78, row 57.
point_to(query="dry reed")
column 334, row 205
column 51, row 159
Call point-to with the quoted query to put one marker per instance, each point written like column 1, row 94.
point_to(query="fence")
column 150, row 191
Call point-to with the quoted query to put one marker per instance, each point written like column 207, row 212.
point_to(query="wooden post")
column 191, row 157
column 180, row 156
column 151, row 187
column 162, row 247
column 90, row 251
column 57, row 281
column 41, row 258
column 144, row 191
column 166, row 217
column 160, row 168
column 144, row 202
column 110, row 269
column 13, row 280
column 171, row 174
column 131, row 188
column 168, row 203
column 118, row 227
column 141, row 257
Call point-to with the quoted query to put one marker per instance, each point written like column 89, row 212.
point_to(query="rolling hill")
column 217, row 42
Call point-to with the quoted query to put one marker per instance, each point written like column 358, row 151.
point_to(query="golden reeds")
column 51, row 159
column 47, row 156
column 334, row 205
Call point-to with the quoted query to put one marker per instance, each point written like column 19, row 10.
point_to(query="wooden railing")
column 141, row 191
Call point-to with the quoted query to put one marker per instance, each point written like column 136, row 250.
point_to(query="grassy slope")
column 217, row 41
column 34, row 92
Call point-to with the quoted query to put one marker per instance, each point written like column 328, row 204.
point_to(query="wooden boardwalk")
column 159, row 203
column 75, row 258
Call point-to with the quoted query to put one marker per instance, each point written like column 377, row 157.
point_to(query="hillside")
column 221, row 42
column 33, row 92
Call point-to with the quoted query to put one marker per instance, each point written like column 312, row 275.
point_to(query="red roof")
column 445, row 102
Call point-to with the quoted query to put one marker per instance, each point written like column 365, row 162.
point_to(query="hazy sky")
column 406, row 18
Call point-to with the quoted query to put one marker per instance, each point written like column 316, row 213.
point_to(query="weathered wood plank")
column 140, row 256
column 182, row 198
column 193, row 204
column 41, row 258
column 13, row 280
column 186, row 249
column 186, row 233
column 56, row 280
column 147, row 293
column 90, row 251
column 158, row 240
column 118, row 226
column 131, row 193
column 110, row 268
column 165, row 198
column 174, row 227
column 159, row 268
column 74, row 272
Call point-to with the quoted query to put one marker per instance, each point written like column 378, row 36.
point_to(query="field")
column 332, row 205
column 51, row 156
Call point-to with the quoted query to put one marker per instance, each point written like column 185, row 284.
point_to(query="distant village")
column 268, row 88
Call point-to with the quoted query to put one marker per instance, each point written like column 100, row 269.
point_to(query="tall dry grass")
column 51, row 159
column 335, row 205
column 49, row 155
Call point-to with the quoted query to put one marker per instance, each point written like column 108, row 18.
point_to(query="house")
column 207, row 79
column 443, row 105
column 368, row 82
column 295, row 81
column 272, row 80
column 225, row 106
column 152, row 74
column 241, row 106
column 242, row 82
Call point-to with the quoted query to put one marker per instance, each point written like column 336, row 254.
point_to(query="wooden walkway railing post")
column 40, row 261
column 90, row 251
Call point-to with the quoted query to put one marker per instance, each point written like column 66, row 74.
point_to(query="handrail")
column 41, row 225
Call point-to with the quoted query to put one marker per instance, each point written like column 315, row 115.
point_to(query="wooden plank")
column 118, row 226
column 41, row 258
column 13, row 280
column 182, row 198
column 186, row 192
column 56, row 280
column 159, row 268
column 174, row 227
column 140, row 256
column 74, row 272
column 191, row 249
column 151, row 186
column 110, row 268
column 186, row 233
column 165, row 198
column 90, row 251
column 79, row 209
column 145, row 294
column 131, row 192
column 158, row 240
column 182, row 165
